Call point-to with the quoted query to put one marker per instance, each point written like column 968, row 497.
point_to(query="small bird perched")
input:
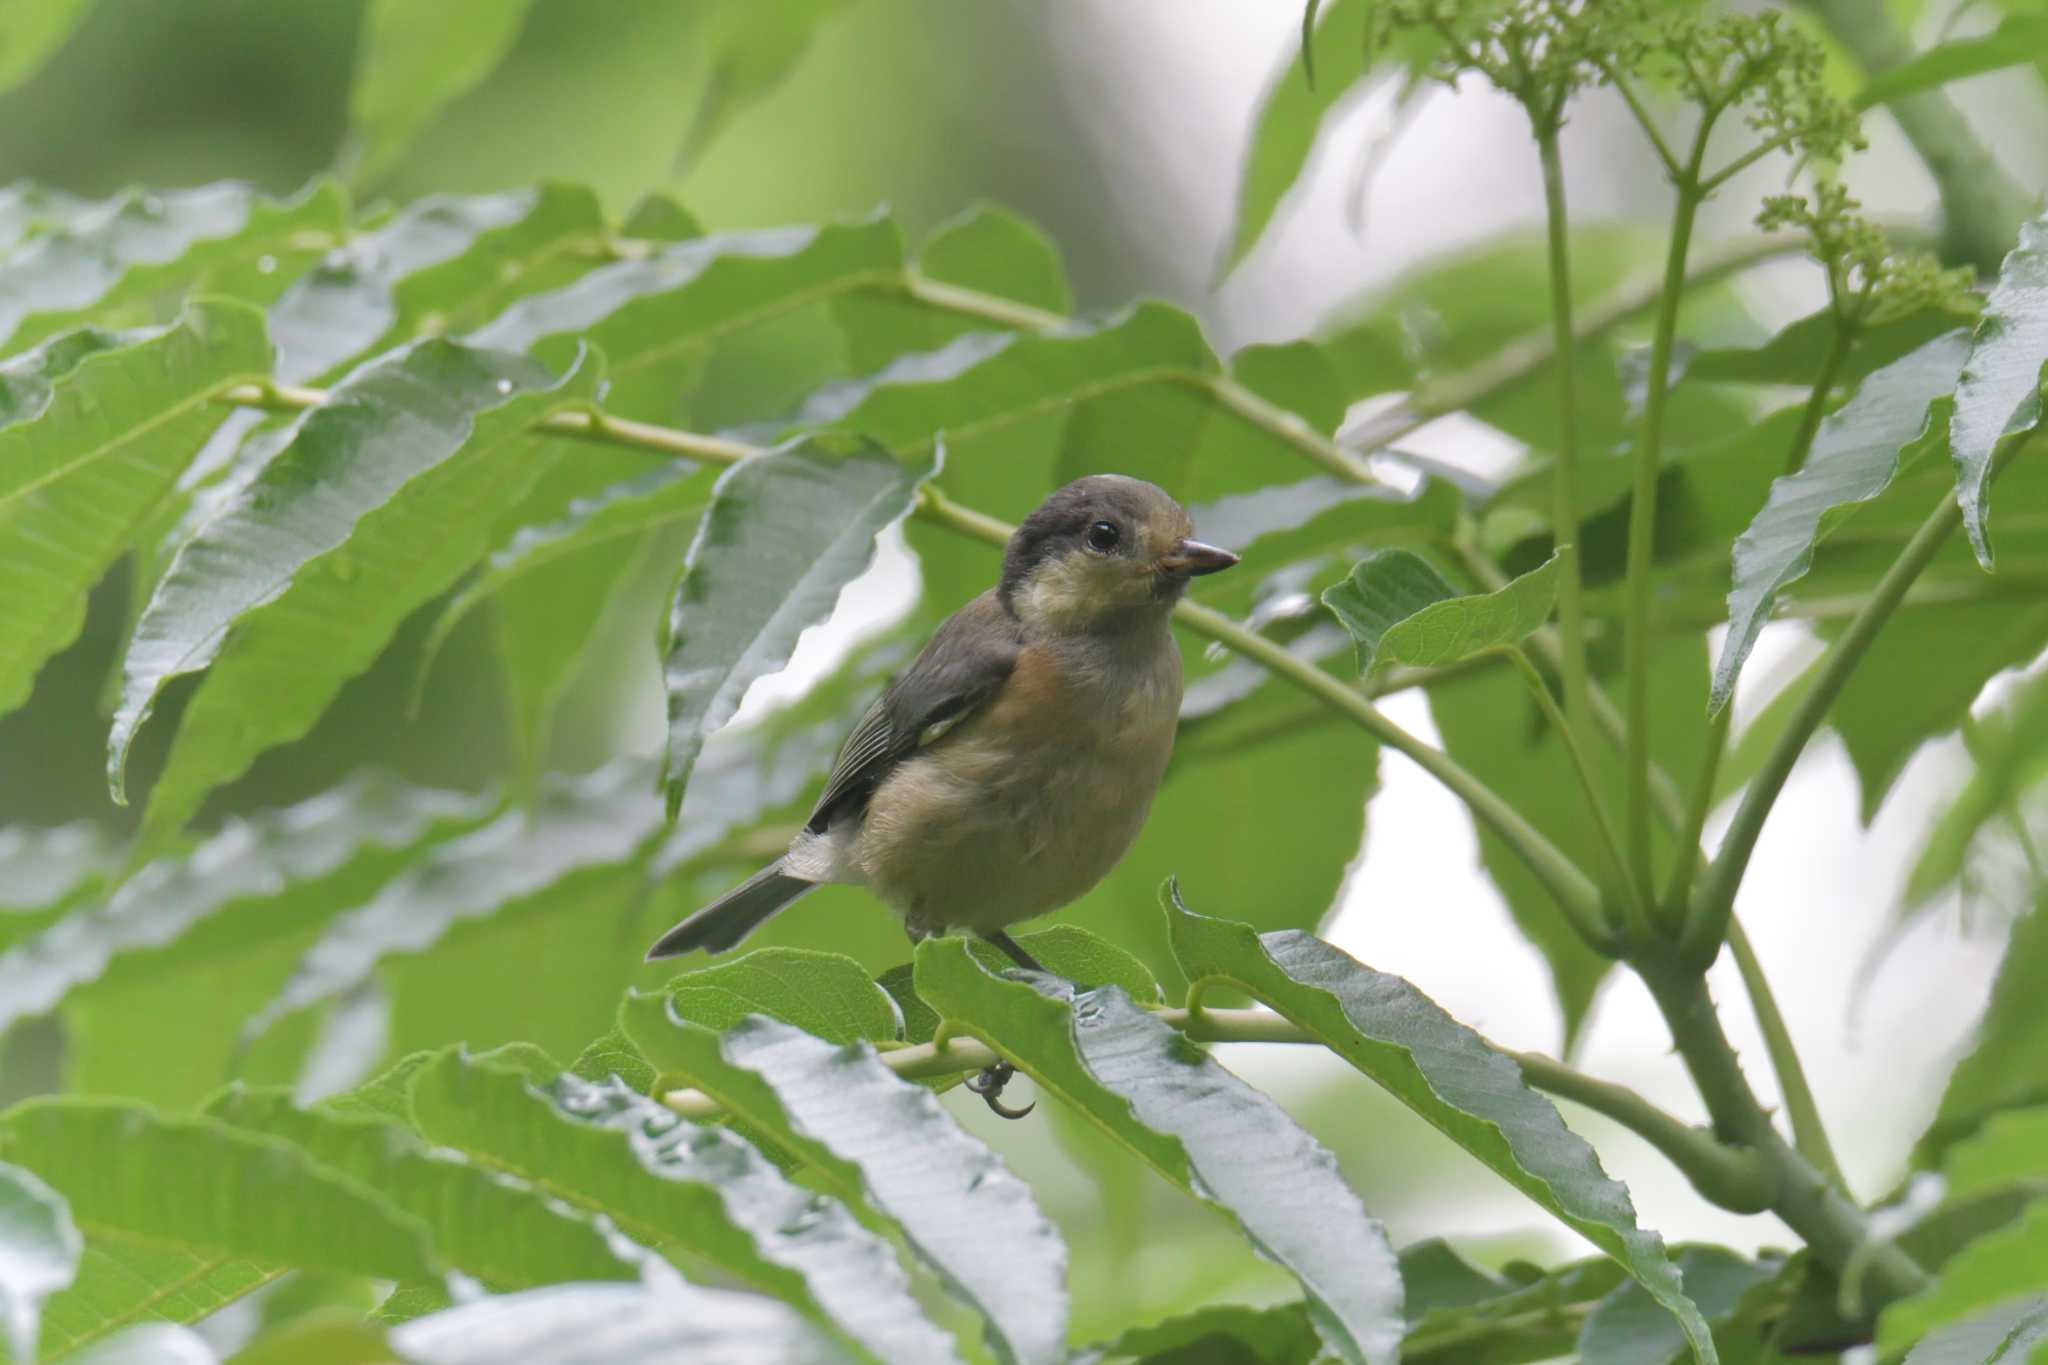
column 1011, row 765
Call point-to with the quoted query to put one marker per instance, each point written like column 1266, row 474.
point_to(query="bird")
column 1009, row 768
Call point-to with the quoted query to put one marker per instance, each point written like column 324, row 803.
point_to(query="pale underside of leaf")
column 786, row 531
column 1854, row 456
column 1446, row 1073
column 1999, row 395
column 701, row 1192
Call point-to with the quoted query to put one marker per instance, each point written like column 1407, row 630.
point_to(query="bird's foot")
column 989, row 1082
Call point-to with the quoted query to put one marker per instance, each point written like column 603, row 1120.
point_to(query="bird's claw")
column 989, row 1082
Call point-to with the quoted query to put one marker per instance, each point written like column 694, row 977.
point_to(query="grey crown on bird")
column 1005, row 772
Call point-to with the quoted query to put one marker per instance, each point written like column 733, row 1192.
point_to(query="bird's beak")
column 1192, row 559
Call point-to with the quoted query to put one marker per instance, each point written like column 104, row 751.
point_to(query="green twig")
column 1728, row 1176
column 1809, row 1135
column 1642, row 515
column 1734, row 1178
column 1564, row 479
column 1809, row 1202
column 1823, row 387
column 1576, row 895
column 1689, row 822
column 1686, row 820
column 1627, row 897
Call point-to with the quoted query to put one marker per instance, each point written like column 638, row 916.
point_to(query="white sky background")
column 1175, row 85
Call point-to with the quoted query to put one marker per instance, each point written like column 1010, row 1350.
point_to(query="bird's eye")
column 1103, row 536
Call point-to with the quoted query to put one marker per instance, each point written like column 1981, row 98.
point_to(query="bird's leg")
column 997, row 938
column 990, row 1080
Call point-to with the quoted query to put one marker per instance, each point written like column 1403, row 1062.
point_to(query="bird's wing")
column 968, row 658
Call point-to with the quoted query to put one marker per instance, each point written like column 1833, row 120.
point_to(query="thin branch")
column 1729, row 1177
column 1576, row 894
column 1523, row 357
column 1564, row 477
column 1631, row 896
column 1690, row 821
column 1733, row 1178
column 1642, row 117
column 1642, row 516
column 1809, row 1134
column 1810, row 1203
column 1823, row 389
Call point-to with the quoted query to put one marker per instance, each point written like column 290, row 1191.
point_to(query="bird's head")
column 1101, row 553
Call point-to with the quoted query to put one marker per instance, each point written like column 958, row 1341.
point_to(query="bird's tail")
column 734, row 915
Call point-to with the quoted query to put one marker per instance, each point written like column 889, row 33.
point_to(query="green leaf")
column 551, row 625
column 112, row 265
column 742, row 51
column 1290, row 116
column 676, row 1186
column 1528, row 1320
column 785, row 532
column 327, row 1336
column 988, row 248
column 1226, row 1335
column 667, row 496
column 987, row 380
column 878, row 1138
column 1999, row 396
column 382, row 499
column 2011, row 1148
column 2017, row 40
column 1443, row 1071
column 1400, row 610
column 2011, row 1334
column 1629, row 1327
column 506, row 1233
column 2004, row 1265
column 39, row 1251
column 592, row 827
column 1166, row 1099
column 613, row 1057
column 1066, row 950
column 1889, row 422
column 985, row 249
column 1919, row 678
column 1798, row 352
column 414, row 61
column 2003, row 1069
column 650, row 315
column 30, row 34
column 827, row 995
column 177, row 1205
column 261, row 878
column 1434, row 1277
column 656, row 217
column 440, row 265
column 614, row 1324
column 98, row 427
column 2011, row 754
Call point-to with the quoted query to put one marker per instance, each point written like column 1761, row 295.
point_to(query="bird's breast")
column 1031, row 802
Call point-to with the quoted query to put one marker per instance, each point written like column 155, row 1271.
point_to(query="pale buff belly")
column 966, row 836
